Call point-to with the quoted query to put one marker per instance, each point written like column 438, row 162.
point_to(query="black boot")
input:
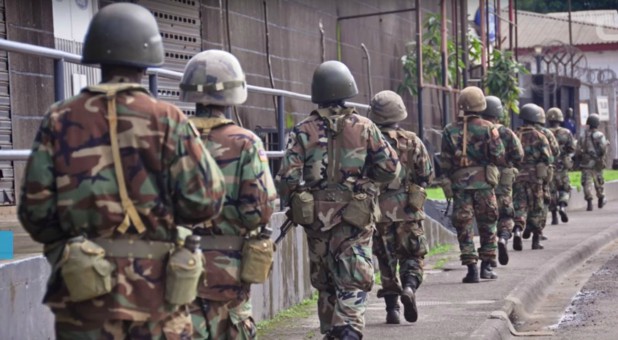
column 392, row 309
column 487, row 272
column 503, row 255
column 527, row 233
column 536, row 240
column 345, row 333
column 473, row 274
column 589, row 205
column 517, row 238
column 563, row 214
column 602, row 202
column 554, row 217
column 408, row 298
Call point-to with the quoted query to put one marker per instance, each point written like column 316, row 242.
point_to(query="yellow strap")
column 131, row 214
column 464, row 158
column 207, row 124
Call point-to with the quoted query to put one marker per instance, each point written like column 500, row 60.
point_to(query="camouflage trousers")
column 590, row 177
column 529, row 204
column 222, row 320
column 560, row 190
column 400, row 243
column 176, row 326
column 506, row 212
column 342, row 272
column 482, row 206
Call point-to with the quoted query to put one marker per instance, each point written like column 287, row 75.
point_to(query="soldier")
column 591, row 151
column 560, row 187
column 337, row 156
column 528, row 194
column 471, row 153
column 113, row 171
column 400, row 240
column 504, row 191
column 215, row 81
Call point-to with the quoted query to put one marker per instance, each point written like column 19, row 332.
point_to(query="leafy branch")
column 501, row 81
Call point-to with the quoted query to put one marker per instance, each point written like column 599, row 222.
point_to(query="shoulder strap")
column 205, row 125
column 131, row 214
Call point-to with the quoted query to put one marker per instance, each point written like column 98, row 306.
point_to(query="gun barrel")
column 285, row 228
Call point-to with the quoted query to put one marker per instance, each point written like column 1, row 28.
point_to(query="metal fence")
column 59, row 57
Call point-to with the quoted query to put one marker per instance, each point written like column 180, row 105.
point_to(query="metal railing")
column 153, row 74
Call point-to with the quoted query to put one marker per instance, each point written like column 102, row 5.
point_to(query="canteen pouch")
column 542, row 171
column 360, row 210
column 508, row 176
column 302, row 205
column 85, row 271
column 492, row 175
column 182, row 276
column 568, row 163
column 416, row 197
column 257, row 260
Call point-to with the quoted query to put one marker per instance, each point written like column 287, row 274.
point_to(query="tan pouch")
column 416, row 197
column 302, row 205
column 183, row 272
column 550, row 174
column 542, row 171
column 447, row 187
column 257, row 260
column 492, row 175
column 360, row 211
column 508, row 176
column 568, row 163
column 85, row 271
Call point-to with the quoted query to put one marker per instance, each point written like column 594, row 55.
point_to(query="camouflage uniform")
column 591, row 152
column 337, row 154
column 504, row 192
column 470, row 148
column 555, row 151
column 560, row 187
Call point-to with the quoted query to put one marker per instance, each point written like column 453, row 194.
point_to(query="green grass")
column 575, row 177
column 300, row 311
column 435, row 194
column 439, row 250
column 440, row 263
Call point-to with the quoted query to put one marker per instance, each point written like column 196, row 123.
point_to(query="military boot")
column 554, row 217
column 589, row 205
column 536, row 240
column 392, row 309
column 563, row 214
column 602, row 202
column 408, row 298
column 473, row 274
column 345, row 333
column 517, row 238
column 487, row 272
column 503, row 254
column 527, row 233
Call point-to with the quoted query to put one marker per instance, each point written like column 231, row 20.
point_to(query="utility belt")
column 87, row 272
column 490, row 173
column 415, row 193
column 222, row 242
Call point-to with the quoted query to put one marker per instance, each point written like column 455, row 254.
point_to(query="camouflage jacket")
column 249, row 200
column 514, row 152
column 591, row 148
column 553, row 142
column 536, row 150
column 357, row 156
column 566, row 141
column 484, row 147
column 416, row 168
column 70, row 188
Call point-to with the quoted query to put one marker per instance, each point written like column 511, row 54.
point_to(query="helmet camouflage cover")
column 213, row 77
column 472, row 99
column 554, row 114
column 387, row 107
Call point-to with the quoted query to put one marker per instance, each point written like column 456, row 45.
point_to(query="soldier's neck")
column 119, row 74
column 209, row 111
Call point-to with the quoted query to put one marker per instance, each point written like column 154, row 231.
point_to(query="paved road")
column 451, row 310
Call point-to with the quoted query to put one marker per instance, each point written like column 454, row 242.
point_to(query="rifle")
column 285, row 228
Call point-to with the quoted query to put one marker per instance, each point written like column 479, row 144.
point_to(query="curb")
column 525, row 297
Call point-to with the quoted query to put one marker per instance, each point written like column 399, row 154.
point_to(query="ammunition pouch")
column 508, row 176
column 542, row 171
column 302, row 206
column 416, row 197
column 362, row 211
column 568, row 163
column 183, row 272
column 492, row 175
column 85, row 271
column 257, row 260
column 599, row 164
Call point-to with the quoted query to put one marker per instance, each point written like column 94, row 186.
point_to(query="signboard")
column 583, row 113
column 603, row 108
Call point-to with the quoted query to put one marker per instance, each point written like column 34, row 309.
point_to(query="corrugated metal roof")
column 541, row 29
column 606, row 17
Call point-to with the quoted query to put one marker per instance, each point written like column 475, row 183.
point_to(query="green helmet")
column 593, row 120
column 472, row 99
column 213, row 77
column 531, row 113
column 332, row 81
column 123, row 34
column 494, row 107
column 542, row 114
column 387, row 108
column 554, row 114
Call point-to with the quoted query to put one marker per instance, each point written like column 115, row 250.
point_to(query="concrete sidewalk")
column 449, row 309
